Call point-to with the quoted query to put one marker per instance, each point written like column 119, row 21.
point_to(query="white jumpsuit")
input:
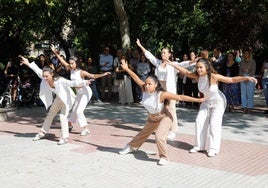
column 209, row 118
column 83, row 96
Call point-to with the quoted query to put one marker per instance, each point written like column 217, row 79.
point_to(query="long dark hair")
column 158, row 87
column 209, row 68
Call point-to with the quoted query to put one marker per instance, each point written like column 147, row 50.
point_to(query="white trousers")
column 82, row 98
column 208, row 125
column 57, row 106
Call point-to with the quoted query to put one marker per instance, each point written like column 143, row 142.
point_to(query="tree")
column 123, row 22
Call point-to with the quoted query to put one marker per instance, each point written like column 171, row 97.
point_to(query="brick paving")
column 92, row 161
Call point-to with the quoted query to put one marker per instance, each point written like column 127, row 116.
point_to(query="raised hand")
column 138, row 42
column 24, row 60
column 124, row 64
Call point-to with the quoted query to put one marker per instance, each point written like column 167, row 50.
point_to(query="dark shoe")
column 70, row 126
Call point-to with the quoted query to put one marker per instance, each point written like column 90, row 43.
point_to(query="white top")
column 161, row 73
column 212, row 94
column 76, row 76
column 151, row 101
column 171, row 73
column 62, row 88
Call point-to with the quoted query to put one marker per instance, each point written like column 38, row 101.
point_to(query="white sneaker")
column 212, row 153
column 127, row 149
column 85, row 132
column 38, row 136
column 63, row 141
column 171, row 135
column 98, row 101
column 195, row 150
column 163, row 161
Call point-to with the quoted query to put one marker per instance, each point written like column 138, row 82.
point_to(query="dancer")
column 212, row 109
column 63, row 101
column 155, row 100
column 83, row 94
column 167, row 76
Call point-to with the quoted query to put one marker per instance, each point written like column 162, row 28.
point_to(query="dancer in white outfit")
column 209, row 118
column 167, row 76
column 63, row 101
column 83, row 94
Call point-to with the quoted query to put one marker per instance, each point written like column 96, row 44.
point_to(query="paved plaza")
column 93, row 160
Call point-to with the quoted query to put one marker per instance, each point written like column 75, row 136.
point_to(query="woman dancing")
column 83, row 94
column 212, row 109
column 155, row 100
column 63, row 101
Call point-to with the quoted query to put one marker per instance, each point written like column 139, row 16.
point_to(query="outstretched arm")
column 183, row 70
column 125, row 67
column 234, row 79
column 170, row 96
column 94, row 76
column 63, row 62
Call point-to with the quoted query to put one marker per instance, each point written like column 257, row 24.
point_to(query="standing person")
column 231, row 90
column 155, row 100
column 247, row 68
column 167, row 76
column 93, row 69
column 83, row 94
column 117, row 75
column 217, row 60
column 106, row 65
column 63, row 101
column 133, row 62
column 143, row 70
column 124, row 89
column 209, row 118
column 264, row 71
column 42, row 61
column 190, row 85
column 12, row 73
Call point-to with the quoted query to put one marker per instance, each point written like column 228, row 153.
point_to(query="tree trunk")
column 123, row 22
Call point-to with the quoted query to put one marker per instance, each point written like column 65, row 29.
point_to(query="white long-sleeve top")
column 169, row 74
column 62, row 88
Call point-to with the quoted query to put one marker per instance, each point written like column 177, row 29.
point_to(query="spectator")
column 190, row 85
column 106, row 65
column 247, row 68
column 231, row 90
column 117, row 76
column 124, row 89
column 264, row 71
column 12, row 72
column 93, row 69
column 134, row 60
column 143, row 70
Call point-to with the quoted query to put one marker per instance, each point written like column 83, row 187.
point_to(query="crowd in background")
column 120, row 88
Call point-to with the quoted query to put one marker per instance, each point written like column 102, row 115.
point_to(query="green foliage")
column 182, row 25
